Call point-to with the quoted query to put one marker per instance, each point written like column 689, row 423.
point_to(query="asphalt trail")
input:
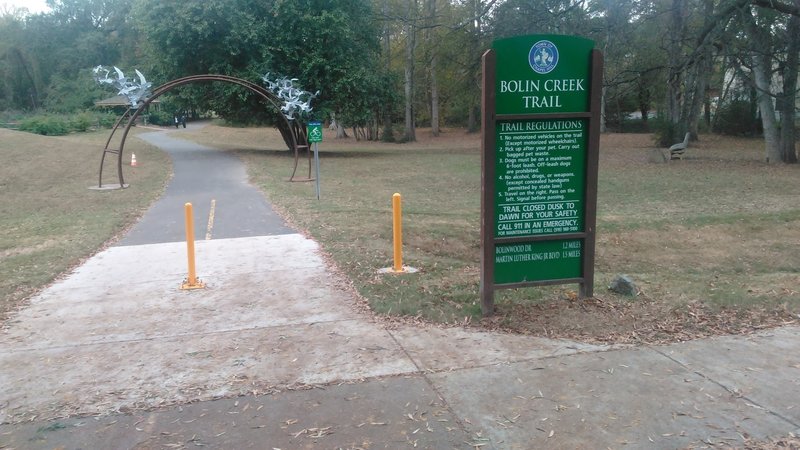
column 203, row 175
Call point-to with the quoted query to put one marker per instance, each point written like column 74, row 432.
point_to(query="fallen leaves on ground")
column 638, row 321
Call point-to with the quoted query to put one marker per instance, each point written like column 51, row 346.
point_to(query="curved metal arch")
column 132, row 114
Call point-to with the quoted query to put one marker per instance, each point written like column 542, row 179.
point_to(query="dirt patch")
column 19, row 251
column 635, row 321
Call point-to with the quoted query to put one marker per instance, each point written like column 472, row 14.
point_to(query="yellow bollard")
column 397, row 220
column 192, row 282
column 397, row 234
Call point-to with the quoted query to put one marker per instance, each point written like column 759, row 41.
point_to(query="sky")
column 34, row 6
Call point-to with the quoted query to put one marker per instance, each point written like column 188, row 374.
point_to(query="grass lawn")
column 49, row 220
column 712, row 241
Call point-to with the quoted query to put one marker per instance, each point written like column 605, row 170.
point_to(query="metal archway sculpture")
column 291, row 131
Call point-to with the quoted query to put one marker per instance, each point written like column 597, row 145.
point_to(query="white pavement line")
column 210, row 219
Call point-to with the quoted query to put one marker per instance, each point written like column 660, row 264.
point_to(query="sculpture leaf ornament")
column 135, row 91
column 295, row 100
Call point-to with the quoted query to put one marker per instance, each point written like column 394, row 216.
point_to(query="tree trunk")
column 410, row 31
column 434, row 99
column 762, row 65
column 786, row 101
column 700, row 78
column 388, row 133
column 473, row 121
column 603, row 127
column 387, row 48
column 761, row 72
column 703, row 67
column 675, row 91
column 604, row 89
column 643, row 98
column 26, row 68
column 431, row 37
column 341, row 132
column 473, row 124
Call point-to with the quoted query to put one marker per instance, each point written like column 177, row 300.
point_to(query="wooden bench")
column 676, row 151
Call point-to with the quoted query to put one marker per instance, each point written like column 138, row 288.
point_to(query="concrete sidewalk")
column 277, row 353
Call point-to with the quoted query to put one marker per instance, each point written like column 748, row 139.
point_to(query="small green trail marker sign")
column 314, row 130
column 314, row 133
column 541, row 119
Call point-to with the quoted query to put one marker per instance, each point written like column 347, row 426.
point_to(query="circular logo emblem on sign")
column 543, row 57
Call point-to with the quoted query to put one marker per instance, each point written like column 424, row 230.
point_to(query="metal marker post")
column 316, row 166
column 314, row 133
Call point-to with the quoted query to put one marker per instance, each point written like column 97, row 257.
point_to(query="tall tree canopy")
column 330, row 46
column 379, row 63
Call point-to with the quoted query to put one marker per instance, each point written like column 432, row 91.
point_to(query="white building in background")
column 736, row 86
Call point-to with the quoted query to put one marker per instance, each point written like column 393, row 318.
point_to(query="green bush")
column 160, row 118
column 59, row 125
column 387, row 134
column 45, row 125
column 81, row 122
column 736, row 119
column 106, row 120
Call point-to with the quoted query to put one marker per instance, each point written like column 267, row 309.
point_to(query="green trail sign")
column 540, row 147
column 542, row 74
column 314, row 130
column 540, row 180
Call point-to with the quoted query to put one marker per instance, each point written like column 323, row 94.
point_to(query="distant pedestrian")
column 176, row 121
column 183, row 120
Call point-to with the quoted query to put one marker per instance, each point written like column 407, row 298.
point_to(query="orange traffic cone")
column 133, row 160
